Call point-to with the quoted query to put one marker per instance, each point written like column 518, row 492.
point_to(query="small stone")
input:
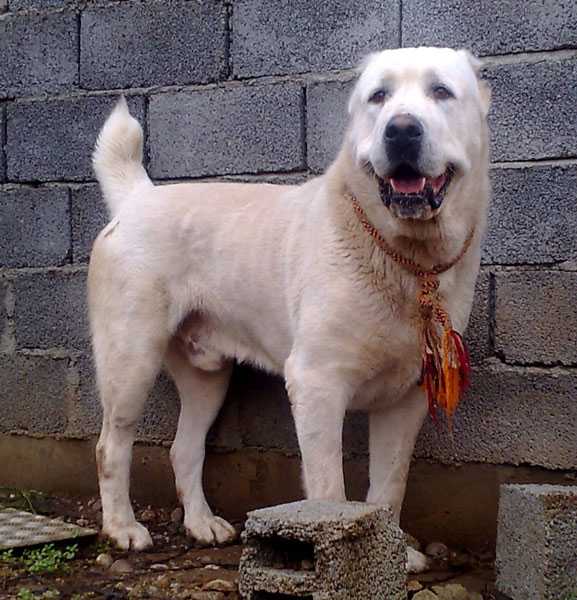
column 147, row 515
column 220, row 585
column 413, row 585
column 121, row 566
column 437, row 550
column 459, row 559
column 158, row 567
column 104, row 560
column 451, row 591
column 425, row 595
column 211, row 567
column 177, row 515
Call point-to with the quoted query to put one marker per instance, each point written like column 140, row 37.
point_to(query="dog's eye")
column 442, row 92
column 378, row 97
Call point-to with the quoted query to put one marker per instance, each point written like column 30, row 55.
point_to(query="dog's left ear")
column 484, row 89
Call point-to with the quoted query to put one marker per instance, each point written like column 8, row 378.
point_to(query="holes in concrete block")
column 270, row 596
column 282, row 553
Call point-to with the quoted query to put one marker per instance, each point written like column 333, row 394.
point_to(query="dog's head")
column 417, row 126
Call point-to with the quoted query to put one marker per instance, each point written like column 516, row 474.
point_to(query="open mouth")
column 409, row 189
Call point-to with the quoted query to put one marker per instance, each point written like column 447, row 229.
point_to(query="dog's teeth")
column 408, row 186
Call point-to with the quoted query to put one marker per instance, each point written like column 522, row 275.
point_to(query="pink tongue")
column 408, row 186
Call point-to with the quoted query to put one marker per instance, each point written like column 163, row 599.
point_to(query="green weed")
column 48, row 558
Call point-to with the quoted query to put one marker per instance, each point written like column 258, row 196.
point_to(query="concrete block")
column 535, row 317
column 53, row 139
column 50, row 310
column 2, row 144
column 39, row 54
column 478, row 332
column 537, row 542
column 245, row 129
column 320, row 550
column 327, row 118
column 155, row 43
column 33, row 394
column 89, row 215
column 491, row 27
column 533, row 112
column 511, row 416
column 34, row 227
column 3, row 6
column 291, row 36
column 38, row 4
column 3, row 310
column 532, row 216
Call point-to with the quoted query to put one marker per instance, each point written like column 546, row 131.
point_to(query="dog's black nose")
column 403, row 138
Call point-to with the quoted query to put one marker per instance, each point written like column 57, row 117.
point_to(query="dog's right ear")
column 484, row 89
column 359, row 69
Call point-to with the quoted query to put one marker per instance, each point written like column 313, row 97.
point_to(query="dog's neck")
column 427, row 242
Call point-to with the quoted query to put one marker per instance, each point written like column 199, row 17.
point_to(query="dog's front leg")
column 393, row 433
column 318, row 400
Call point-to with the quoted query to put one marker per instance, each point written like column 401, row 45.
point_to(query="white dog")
column 194, row 276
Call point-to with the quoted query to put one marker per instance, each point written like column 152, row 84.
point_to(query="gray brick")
column 537, row 542
column 291, row 36
column 158, row 423
column 490, row 27
column 326, row 121
column 2, row 144
column 223, row 131
column 33, row 392
column 510, row 416
column 39, row 53
column 155, row 43
column 39, row 4
column 535, row 318
column 533, row 110
column 478, row 331
column 50, row 310
column 3, row 6
column 89, row 216
column 34, row 227
column 54, row 139
column 3, row 309
column 533, row 215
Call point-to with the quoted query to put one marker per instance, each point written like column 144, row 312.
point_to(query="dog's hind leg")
column 129, row 342
column 202, row 393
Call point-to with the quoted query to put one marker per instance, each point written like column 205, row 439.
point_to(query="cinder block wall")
column 256, row 90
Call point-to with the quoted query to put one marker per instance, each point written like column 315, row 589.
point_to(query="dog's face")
column 416, row 122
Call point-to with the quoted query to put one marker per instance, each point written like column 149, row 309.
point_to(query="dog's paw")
column 209, row 530
column 133, row 536
column 417, row 562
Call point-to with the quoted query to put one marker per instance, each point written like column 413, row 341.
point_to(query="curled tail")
column 117, row 157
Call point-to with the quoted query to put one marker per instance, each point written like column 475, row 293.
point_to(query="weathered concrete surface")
column 490, row 27
column 537, row 542
column 532, row 217
column 53, row 139
column 50, row 311
column 39, row 54
column 532, row 110
column 353, row 550
column 536, row 318
column 215, row 131
column 290, row 36
column 34, row 227
column 89, row 215
column 123, row 45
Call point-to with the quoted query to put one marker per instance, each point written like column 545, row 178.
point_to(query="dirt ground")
column 175, row 568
